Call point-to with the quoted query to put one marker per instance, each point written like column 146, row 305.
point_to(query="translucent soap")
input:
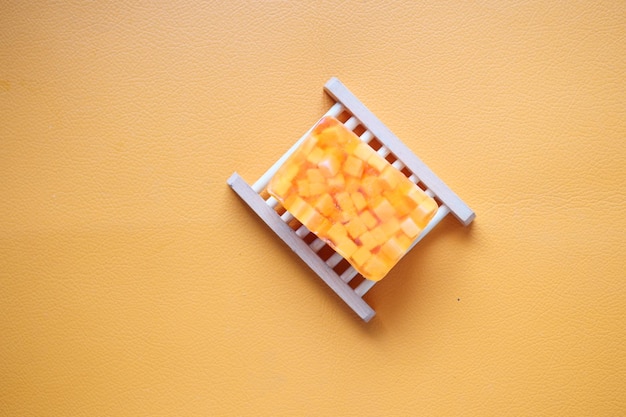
column 352, row 198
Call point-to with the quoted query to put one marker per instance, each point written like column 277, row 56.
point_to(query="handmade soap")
column 352, row 198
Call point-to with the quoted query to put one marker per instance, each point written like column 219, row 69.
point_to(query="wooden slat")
column 271, row 218
column 364, row 287
column 341, row 94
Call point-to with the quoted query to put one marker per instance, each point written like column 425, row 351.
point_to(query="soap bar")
column 351, row 197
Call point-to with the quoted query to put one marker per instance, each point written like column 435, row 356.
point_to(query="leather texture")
column 135, row 282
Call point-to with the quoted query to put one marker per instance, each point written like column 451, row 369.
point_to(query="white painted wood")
column 348, row 274
column 334, row 260
column 397, row 164
column 335, row 110
column 302, row 232
column 271, row 201
column 341, row 94
column 366, row 136
column 286, row 217
column 351, row 123
column 383, row 151
column 364, row 287
column 317, row 244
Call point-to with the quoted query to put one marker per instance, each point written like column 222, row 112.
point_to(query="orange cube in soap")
column 391, row 177
column 360, row 256
column 325, row 205
column 377, row 162
column 356, row 227
column 338, row 182
column 368, row 219
column 384, row 210
column 329, row 165
column 337, row 232
column 311, row 217
column 303, row 188
column 347, row 247
column 392, row 249
column 358, row 200
column 281, row 186
column 352, row 198
column 391, row 226
column 375, row 266
column 368, row 241
column 315, row 175
column 297, row 206
column 315, row 156
column 409, row 228
column 353, row 166
column 363, row 151
column 316, row 189
column 345, row 202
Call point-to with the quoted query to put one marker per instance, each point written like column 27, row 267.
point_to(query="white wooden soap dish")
column 328, row 264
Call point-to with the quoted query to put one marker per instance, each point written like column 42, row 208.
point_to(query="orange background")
column 133, row 281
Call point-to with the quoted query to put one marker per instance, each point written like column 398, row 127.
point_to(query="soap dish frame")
column 372, row 131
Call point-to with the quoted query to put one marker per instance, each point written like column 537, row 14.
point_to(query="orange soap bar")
column 352, row 198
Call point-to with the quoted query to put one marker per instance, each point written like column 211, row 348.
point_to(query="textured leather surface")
column 134, row 282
